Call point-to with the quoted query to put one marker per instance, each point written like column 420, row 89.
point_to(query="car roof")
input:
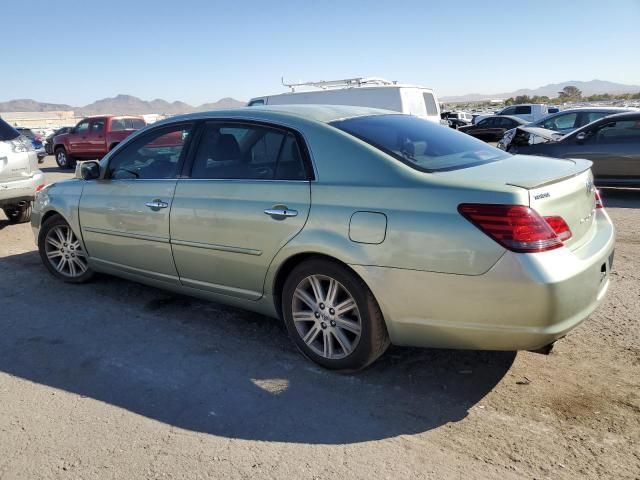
column 318, row 113
column 511, row 117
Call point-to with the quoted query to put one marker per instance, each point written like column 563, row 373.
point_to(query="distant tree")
column 570, row 92
column 522, row 99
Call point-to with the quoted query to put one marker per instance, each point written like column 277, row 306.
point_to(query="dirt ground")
column 117, row 380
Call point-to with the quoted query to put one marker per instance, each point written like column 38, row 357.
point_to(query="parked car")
column 48, row 142
column 35, row 140
column 20, row 177
column 359, row 227
column 611, row 143
column 464, row 116
column 492, row 129
column 530, row 112
column 567, row 121
column 363, row 92
column 92, row 138
column 456, row 123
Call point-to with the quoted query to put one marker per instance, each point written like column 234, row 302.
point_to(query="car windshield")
column 421, row 144
column 7, row 132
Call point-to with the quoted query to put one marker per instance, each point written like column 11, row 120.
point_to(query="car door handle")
column 281, row 212
column 157, row 204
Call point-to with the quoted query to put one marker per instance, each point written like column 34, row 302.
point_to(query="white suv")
column 20, row 177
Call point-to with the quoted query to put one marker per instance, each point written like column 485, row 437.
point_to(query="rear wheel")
column 62, row 253
column 332, row 316
column 18, row 213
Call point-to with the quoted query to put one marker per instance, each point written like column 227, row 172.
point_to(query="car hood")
column 524, row 171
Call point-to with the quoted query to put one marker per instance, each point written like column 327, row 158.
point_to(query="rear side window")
column 256, row 102
column 119, row 124
column 430, row 104
column 523, row 110
column 247, row 152
column 7, row 132
column 419, row 143
column 559, row 122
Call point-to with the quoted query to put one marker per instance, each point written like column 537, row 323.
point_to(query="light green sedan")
column 358, row 227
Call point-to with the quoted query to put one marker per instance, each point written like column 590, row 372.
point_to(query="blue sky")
column 199, row 51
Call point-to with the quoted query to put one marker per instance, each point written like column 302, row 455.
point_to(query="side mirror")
column 581, row 137
column 89, row 170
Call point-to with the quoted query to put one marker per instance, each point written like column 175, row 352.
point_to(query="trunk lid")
column 573, row 199
column 556, row 187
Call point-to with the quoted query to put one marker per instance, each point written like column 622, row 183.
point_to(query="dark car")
column 611, row 143
column 48, row 142
column 491, row 129
column 36, row 141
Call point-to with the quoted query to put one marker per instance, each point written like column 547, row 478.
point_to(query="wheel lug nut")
column 322, row 306
column 317, row 315
column 323, row 325
column 333, row 323
column 332, row 311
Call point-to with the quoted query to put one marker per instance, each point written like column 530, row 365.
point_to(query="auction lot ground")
column 117, row 380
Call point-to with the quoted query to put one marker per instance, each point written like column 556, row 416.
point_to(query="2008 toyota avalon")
column 358, row 227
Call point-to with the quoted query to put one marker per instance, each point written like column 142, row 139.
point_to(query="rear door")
column 248, row 195
column 124, row 216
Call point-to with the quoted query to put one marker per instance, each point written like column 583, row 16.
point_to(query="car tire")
column 63, row 159
column 17, row 213
column 311, row 306
column 62, row 253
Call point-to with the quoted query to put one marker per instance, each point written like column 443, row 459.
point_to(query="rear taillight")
column 39, row 187
column 560, row 227
column 599, row 203
column 515, row 227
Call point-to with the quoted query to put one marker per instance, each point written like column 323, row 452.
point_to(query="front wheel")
column 63, row 159
column 62, row 253
column 332, row 316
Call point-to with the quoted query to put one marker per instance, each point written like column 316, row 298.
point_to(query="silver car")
column 358, row 227
column 19, row 174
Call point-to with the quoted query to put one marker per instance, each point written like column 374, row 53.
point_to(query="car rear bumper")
column 19, row 190
column 524, row 302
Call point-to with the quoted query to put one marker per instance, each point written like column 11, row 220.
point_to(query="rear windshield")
column 7, row 132
column 421, row 144
column 118, row 124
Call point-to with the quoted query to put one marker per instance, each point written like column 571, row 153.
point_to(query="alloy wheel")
column 326, row 316
column 64, row 252
column 61, row 159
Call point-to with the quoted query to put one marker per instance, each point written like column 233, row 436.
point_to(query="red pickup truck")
column 92, row 138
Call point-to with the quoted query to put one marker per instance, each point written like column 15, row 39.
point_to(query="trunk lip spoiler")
column 557, row 179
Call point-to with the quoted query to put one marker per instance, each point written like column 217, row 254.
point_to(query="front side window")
column 419, row 143
column 593, row 116
column 622, row 131
column 508, row 111
column 153, row 156
column 82, row 127
column 560, row 122
column 256, row 102
column 487, row 122
column 251, row 152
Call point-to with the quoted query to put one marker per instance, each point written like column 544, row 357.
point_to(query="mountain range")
column 120, row 105
column 592, row 87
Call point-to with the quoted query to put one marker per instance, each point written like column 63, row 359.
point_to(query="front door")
column 248, row 195
column 78, row 139
column 124, row 216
